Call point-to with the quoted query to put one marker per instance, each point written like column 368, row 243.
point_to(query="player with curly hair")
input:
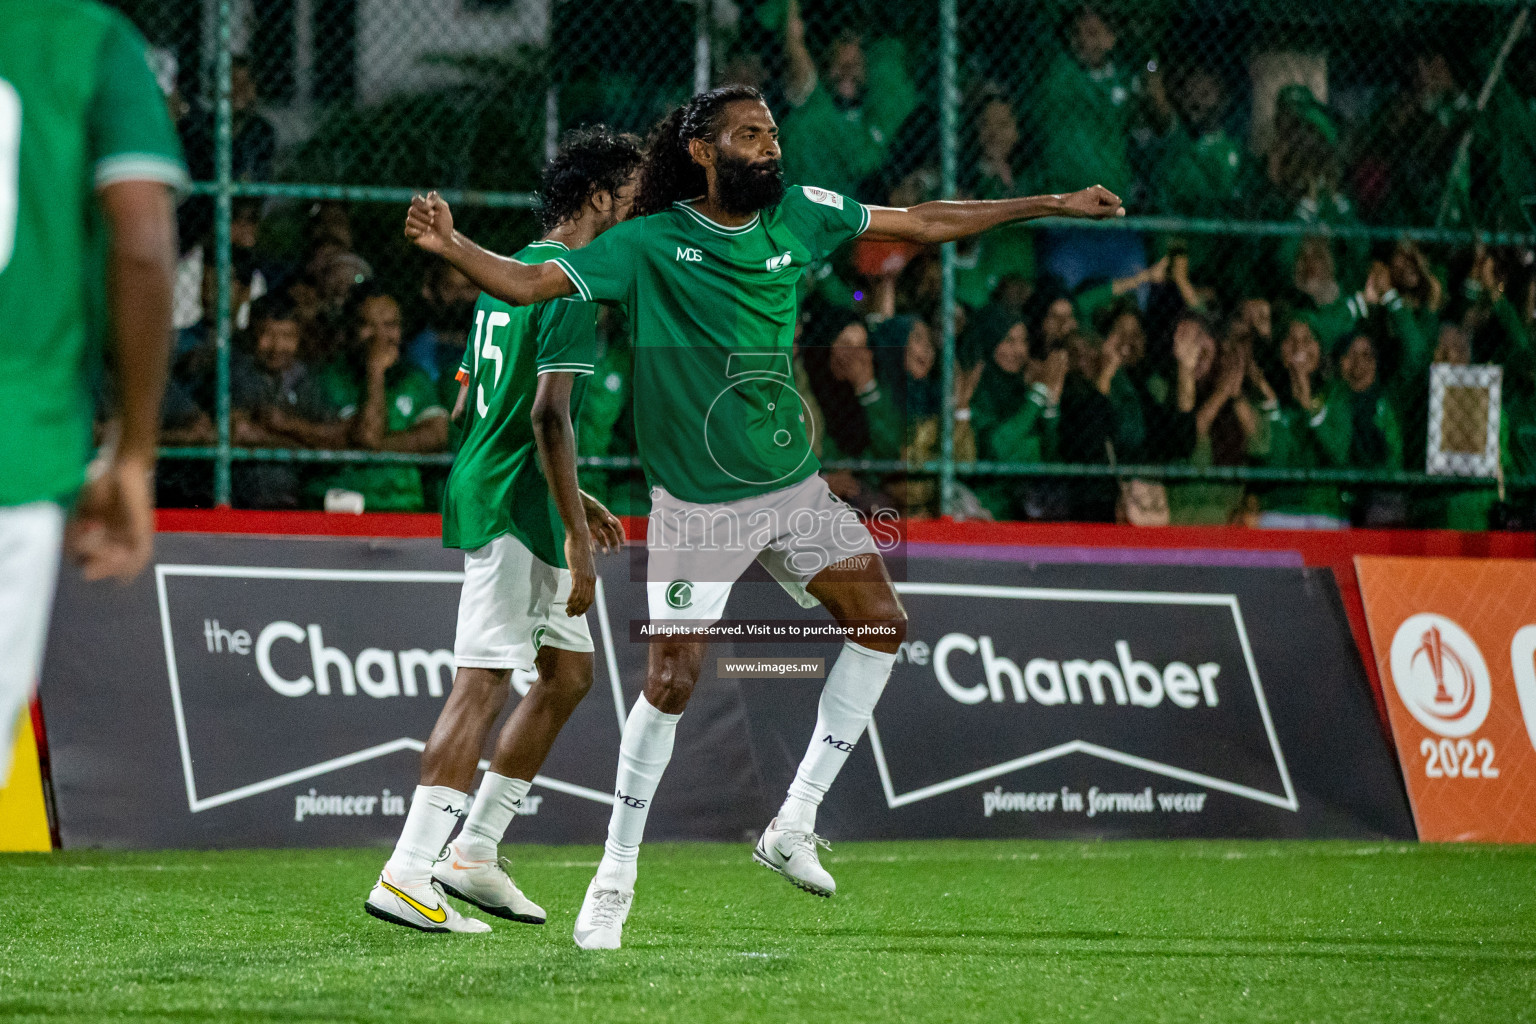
column 528, row 575
column 707, row 272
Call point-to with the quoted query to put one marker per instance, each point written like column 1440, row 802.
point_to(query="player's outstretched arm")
column 556, row 440
column 429, row 224
column 947, row 220
column 113, row 529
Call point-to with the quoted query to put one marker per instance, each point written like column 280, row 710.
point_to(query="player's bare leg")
column 857, row 591
column 472, row 870
column 452, row 753
column 564, row 679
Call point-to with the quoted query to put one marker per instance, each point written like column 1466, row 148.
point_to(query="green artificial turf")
column 974, row 931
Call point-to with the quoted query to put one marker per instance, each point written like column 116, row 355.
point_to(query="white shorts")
column 513, row 604
column 697, row 552
column 30, row 538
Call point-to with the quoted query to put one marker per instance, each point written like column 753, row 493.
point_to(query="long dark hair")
column 668, row 173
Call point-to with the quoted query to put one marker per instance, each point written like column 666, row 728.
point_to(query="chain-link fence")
column 1318, row 311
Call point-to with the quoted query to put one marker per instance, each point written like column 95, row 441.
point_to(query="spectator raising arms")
column 1301, row 432
column 845, row 117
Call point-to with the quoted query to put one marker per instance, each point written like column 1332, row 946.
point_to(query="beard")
column 746, row 187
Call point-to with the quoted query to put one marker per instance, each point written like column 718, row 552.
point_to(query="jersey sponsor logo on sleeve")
column 822, row 196
column 780, row 262
column 689, row 255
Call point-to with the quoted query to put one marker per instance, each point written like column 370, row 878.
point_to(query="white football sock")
column 496, row 803
column 848, row 700
column 643, row 755
column 428, row 824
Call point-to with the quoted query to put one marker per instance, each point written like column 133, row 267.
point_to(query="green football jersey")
column 79, row 110
column 496, row 486
column 712, row 311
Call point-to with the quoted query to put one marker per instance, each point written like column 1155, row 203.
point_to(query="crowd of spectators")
column 321, row 362
column 1116, row 348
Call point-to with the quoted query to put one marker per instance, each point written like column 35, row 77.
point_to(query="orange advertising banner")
column 1455, row 641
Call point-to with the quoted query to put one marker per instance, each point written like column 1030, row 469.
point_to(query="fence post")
column 701, row 48
column 949, row 103
column 223, row 142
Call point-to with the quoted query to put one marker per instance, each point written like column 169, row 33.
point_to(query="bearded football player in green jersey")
column 89, row 165
column 513, row 507
column 706, row 269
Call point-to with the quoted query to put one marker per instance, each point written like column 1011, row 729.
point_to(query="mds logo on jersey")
column 689, row 255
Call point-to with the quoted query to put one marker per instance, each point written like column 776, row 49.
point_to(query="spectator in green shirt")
column 1203, row 168
column 1375, row 439
column 387, row 406
column 1084, row 110
column 991, row 259
column 1407, row 152
column 906, row 360
column 1301, row 179
column 1504, row 149
column 844, row 118
column 1083, row 117
column 1301, row 431
column 1013, row 412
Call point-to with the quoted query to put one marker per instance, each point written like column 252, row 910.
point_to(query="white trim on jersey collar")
column 551, row 241
column 716, row 225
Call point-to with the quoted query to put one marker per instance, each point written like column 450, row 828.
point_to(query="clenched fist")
column 429, row 223
column 1095, row 203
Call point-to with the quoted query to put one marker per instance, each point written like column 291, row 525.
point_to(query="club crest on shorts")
column 679, row 593
column 538, row 637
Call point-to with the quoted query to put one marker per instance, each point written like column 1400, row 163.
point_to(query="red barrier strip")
column 1334, row 549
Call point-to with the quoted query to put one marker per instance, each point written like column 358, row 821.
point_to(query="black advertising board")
column 276, row 692
column 1108, row 701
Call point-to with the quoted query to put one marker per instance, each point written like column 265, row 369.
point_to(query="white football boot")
column 420, row 906
column 792, row 853
column 486, row 884
column 600, row 925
